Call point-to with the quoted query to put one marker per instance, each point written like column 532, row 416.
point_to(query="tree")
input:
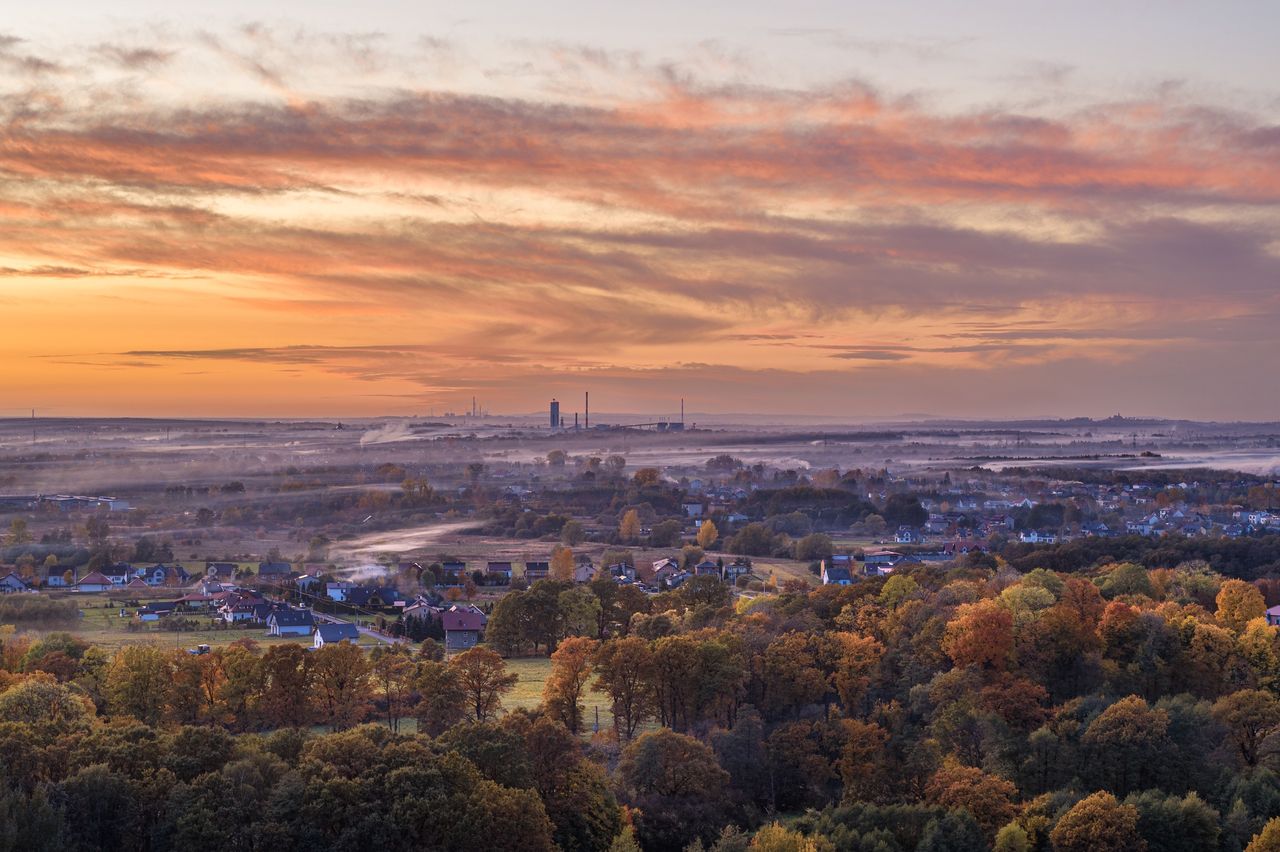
column 1250, row 716
column 572, row 533
column 989, row 798
column 286, row 686
column 138, row 683
column 629, row 527
column 18, row 532
column 97, row 530
column 443, row 701
column 1267, row 840
column 623, row 668
column 647, row 477
column 980, row 634
column 571, row 667
column 813, row 548
column 341, row 684
column 393, row 673
column 562, row 564
column 1098, row 823
column 482, row 674
column 707, row 534
column 1238, row 604
column 1127, row 742
column 671, row 765
column 557, row 458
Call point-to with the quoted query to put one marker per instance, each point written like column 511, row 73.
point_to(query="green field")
column 527, row 694
column 102, row 625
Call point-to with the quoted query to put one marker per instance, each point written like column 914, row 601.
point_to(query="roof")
column 137, row 583
column 292, row 618
column 462, row 619
column 94, row 578
column 337, row 632
column 274, row 568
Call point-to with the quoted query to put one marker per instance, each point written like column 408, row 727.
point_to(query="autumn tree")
column 629, row 527
column 1098, row 823
column 482, row 674
column 623, row 668
column 393, row 675
column 1267, row 840
column 1238, row 604
column 707, row 534
column 286, row 671
column 989, row 798
column 138, row 683
column 980, row 634
column 562, row 564
column 341, row 684
column 571, row 667
column 1250, row 716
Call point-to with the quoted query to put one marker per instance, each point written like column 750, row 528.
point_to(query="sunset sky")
column 340, row 209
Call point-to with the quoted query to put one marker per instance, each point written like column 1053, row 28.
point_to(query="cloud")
column 656, row 218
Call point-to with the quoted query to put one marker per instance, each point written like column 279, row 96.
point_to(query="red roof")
column 462, row 620
column 94, row 578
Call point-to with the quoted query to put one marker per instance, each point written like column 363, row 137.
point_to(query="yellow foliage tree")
column 707, row 534
column 629, row 529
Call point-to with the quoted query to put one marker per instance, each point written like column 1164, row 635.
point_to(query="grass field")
column 102, row 625
column 527, row 694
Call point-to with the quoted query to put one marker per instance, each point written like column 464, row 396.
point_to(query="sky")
column 305, row 209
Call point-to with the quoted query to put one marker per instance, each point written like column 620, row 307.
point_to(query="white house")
column 335, row 633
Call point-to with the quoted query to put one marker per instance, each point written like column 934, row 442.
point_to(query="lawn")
column 533, row 672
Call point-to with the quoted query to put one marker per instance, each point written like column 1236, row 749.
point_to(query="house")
column 137, row 584
column 500, row 570
column 11, row 583
column 56, row 576
column 462, row 628
column 534, row 571
column 907, row 535
column 95, row 581
column 1037, row 537
column 274, row 572
column 622, row 571
column 338, row 591
column 290, row 622
column 584, row 570
column 882, row 562
column 157, row 610
column 692, row 510
column 735, row 569
column 837, row 571
column 334, row 633
column 223, row 572
column 422, row 609
column 119, row 573
column 1273, row 616
column 707, row 568
column 163, row 575
column 453, row 573
column 664, row 570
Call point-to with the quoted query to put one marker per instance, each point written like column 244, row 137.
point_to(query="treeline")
column 1241, row 558
column 35, row 611
column 956, row 708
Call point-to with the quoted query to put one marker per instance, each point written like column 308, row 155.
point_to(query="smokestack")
column 586, row 415
column 681, row 411
column 556, row 422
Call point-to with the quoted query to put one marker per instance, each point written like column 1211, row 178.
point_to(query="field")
column 102, row 625
column 533, row 672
